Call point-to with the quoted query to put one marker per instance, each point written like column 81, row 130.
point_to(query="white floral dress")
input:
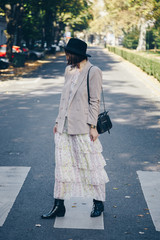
column 79, row 170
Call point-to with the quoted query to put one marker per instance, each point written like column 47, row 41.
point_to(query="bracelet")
column 92, row 126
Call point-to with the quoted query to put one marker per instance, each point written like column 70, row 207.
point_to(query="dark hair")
column 74, row 59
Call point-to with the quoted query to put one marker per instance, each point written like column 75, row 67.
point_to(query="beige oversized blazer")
column 79, row 112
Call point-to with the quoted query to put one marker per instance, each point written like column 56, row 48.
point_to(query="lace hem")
column 69, row 190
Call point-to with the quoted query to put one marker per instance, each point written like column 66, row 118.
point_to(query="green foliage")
column 156, row 37
column 2, row 12
column 45, row 20
column 123, row 15
column 74, row 13
column 156, row 12
column 149, row 65
column 131, row 38
column 32, row 23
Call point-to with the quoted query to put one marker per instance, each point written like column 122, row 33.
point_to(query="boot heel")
column 60, row 214
column 98, row 208
column 58, row 210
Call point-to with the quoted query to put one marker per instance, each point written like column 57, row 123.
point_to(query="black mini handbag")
column 104, row 122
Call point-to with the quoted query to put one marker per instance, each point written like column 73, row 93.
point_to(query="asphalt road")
column 28, row 108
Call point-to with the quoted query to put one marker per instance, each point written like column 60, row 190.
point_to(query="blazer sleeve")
column 65, row 73
column 95, row 86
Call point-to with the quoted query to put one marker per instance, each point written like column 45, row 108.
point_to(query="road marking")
column 11, row 181
column 150, row 182
column 78, row 215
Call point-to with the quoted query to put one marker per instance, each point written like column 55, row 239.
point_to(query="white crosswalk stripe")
column 78, row 215
column 11, row 181
column 150, row 182
column 78, row 209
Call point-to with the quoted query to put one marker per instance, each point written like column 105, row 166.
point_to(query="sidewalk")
column 14, row 73
column 150, row 82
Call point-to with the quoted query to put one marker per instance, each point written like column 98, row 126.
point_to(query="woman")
column 79, row 170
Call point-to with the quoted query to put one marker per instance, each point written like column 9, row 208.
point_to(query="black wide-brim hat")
column 77, row 46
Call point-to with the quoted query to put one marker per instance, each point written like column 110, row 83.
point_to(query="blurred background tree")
column 42, row 21
column 13, row 12
column 130, row 39
column 136, row 21
column 46, row 19
column 128, row 14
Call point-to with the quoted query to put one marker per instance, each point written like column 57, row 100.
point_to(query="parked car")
column 19, row 56
column 62, row 44
column 56, row 47
column 15, row 49
column 4, row 63
column 59, row 47
column 36, row 54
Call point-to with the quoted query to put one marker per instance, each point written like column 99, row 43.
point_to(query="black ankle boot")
column 57, row 211
column 98, row 208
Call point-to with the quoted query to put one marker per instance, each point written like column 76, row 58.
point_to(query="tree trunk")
column 9, row 34
column 43, row 38
column 60, row 28
column 11, row 28
column 19, row 16
column 142, row 36
column 48, row 27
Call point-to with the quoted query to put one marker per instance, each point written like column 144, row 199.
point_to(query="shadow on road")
column 26, row 121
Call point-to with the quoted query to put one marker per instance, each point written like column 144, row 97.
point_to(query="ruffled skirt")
column 79, row 170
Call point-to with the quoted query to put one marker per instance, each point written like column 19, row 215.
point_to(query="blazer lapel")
column 81, row 78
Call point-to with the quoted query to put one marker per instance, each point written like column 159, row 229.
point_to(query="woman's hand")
column 93, row 134
column 55, row 128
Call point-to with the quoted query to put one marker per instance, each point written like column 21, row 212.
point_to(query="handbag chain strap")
column 89, row 92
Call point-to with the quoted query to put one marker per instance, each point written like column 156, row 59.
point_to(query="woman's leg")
column 98, row 208
column 58, row 210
